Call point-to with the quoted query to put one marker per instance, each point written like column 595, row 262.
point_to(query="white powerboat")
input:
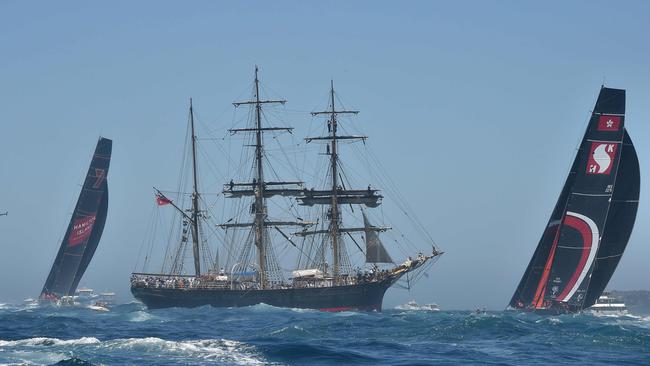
column 609, row 305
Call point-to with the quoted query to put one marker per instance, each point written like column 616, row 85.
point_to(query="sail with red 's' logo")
column 592, row 220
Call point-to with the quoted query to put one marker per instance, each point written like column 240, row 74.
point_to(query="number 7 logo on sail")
column 601, row 158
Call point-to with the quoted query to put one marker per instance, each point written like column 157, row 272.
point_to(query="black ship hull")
column 363, row 297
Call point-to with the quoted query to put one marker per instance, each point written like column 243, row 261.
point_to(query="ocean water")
column 132, row 335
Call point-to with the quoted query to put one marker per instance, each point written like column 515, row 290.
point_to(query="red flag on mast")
column 162, row 200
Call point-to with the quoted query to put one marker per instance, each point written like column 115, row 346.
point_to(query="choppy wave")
column 164, row 351
column 45, row 341
column 140, row 316
column 262, row 334
column 222, row 350
column 73, row 362
column 412, row 306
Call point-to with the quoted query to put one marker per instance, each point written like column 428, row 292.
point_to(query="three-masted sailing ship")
column 247, row 270
column 592, row 220
column 84, row 230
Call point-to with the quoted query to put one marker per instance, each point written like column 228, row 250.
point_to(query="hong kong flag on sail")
column 609, row 123
column 162, row 200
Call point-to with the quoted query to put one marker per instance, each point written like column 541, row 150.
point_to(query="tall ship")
column 266, row 229
column 84, row 230
column 592, row 219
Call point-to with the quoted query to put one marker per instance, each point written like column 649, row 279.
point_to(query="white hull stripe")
column 592, row 252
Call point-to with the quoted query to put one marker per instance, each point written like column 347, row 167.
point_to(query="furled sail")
column 85, row 228
column 593, row 218
column 375, row 251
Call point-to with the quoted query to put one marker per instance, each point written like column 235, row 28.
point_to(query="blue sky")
column 475, row 107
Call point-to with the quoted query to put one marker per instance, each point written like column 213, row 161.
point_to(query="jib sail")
column 85, row 228
column 592, row 219
column 375, row 251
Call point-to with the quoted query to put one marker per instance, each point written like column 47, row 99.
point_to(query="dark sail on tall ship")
column 85, row 229
column 592, row 220
column 275, row 219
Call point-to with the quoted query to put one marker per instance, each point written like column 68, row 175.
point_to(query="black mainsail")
column 85, row 228
column 592, row 220
column 620, row 221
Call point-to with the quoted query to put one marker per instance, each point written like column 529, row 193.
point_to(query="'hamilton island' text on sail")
column 81, row 229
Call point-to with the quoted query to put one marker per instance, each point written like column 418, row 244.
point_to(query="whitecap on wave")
column 140, row 316
column 30, row 358
column 414, row 306
column 35, row 350
column 551, row 320
column 263, row 307
column 291, row 329
column 222, row 350
column 633, row 320
column 45, row 341
column 615, row 316
column 301, row 310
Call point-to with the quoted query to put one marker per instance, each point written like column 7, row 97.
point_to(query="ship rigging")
column 248, row 271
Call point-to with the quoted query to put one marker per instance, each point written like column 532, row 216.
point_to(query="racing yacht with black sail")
column 85, row 229
column 592, row 220
column 247, row 269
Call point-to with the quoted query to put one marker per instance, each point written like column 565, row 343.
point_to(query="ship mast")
column 258, row 186
column 260, row 205
column 335, row 213
column 195, row 200
column 335, row 206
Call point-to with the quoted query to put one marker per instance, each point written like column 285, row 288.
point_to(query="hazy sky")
column 475, row 107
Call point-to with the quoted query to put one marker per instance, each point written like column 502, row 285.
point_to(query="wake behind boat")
column 249, row 271
column 592, row 220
